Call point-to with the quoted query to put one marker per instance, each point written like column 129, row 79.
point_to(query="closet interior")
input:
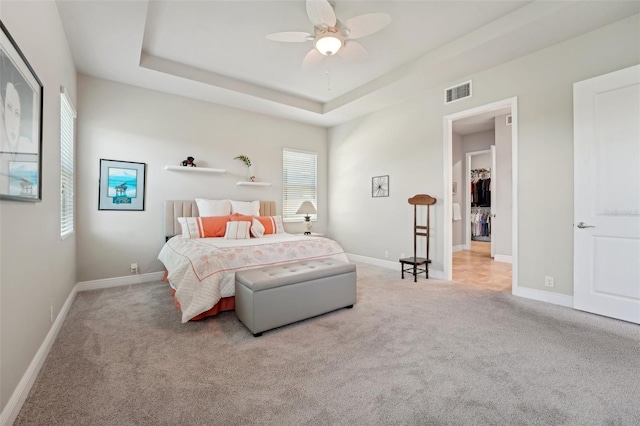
column 480, row 193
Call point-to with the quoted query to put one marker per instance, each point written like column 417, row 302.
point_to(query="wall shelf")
column 193, row 169
column 242, row 183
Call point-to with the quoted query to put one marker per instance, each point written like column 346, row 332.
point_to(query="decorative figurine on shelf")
column 247, row 162
column 189, row 162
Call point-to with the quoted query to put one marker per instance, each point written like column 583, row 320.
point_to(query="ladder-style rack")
column 416, row 265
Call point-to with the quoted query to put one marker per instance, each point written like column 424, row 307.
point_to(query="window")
column 67, row 124
column 299, row 183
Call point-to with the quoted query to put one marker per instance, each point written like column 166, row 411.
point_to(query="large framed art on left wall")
column 21, row 94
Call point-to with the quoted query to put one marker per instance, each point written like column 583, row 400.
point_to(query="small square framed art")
column 122, row 185
column 380, row 186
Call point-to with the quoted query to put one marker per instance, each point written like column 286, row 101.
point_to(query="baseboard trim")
column 19, row 396
column 457, row 248
column 120, row 281
column 433, row 273
column 543, row 296
column 503, row 258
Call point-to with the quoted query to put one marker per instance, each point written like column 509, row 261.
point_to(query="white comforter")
column 202, row 270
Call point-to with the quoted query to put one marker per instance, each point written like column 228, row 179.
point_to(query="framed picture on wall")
column 121, row 185
column 20, row 124
column 380, row 186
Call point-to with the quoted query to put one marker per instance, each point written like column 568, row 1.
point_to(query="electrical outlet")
column 386, row 253
column 548, row 281
column 51, row 315
column 134, row 268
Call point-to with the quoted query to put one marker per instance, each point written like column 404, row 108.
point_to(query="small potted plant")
column 247, row 162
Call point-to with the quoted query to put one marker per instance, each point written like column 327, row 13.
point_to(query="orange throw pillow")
column 203, row 227
column 236, row 217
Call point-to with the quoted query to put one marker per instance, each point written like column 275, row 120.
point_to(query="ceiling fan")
column 331, row 36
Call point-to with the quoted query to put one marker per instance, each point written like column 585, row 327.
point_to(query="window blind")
column 299, row 182
column 67, row 125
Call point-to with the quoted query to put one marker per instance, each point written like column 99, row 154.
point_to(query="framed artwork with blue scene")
column 121, row 185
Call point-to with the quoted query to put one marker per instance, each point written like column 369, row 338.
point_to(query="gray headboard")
column 173, row 209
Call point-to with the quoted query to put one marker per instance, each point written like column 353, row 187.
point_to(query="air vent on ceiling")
column 509, row 120
column 458, row 92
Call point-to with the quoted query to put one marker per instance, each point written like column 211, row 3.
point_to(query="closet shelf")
column 193, row 169
column 243, row 183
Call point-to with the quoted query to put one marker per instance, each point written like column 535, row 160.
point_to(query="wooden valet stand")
column 416, row 265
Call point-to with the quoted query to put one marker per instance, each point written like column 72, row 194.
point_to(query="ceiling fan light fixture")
column 328, row 44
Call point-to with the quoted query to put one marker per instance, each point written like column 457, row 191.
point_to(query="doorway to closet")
column 474, row 261
column 482, row 220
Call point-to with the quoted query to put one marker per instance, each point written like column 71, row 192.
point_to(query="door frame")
column 448, row 182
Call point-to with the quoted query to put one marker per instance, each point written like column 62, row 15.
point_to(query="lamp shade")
column 328, row 44
column 307, row 208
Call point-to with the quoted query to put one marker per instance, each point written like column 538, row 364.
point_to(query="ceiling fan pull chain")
column 328, row 82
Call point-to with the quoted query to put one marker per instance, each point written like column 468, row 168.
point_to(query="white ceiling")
column 216, row 50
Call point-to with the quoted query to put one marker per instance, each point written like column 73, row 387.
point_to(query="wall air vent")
column 509, row 120
column 458, row 92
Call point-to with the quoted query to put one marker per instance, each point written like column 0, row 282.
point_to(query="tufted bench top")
column 291, row 273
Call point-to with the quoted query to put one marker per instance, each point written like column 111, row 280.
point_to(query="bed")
column 201, row 271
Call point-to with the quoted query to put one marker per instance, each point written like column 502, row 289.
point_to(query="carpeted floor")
column 426, row 353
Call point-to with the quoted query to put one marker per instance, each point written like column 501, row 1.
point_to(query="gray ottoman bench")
column 274, row 296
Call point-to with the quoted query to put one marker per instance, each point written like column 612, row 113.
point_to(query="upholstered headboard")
column 173, row 209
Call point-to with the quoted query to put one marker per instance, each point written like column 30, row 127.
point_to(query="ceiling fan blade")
column 364, row 25
column 312, row 59
column 353, row 51
column 321, row 13
column 290, row 37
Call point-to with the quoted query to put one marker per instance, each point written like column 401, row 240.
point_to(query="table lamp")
column 307, row 208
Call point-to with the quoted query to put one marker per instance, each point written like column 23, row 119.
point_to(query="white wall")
column 121, row 122
column 481, row 161
column 37, row 269
column 405, row 141
column 480, row 141
column 501, row 223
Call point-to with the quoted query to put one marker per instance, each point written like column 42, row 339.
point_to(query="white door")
column 607, row 195
column 494, row 193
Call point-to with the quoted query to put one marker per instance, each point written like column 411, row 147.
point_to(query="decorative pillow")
column 209, row 208
column 265, row 225
column 249, row 208
column 203, row 227
column 237, row 230
column 257, row 229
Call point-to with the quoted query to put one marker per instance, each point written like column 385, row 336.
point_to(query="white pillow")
column 213, row 207
column 238, row 230
column 257, row 229
column 247, row 208
column 264, row 225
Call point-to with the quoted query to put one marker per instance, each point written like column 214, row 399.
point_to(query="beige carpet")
column 426, row 353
